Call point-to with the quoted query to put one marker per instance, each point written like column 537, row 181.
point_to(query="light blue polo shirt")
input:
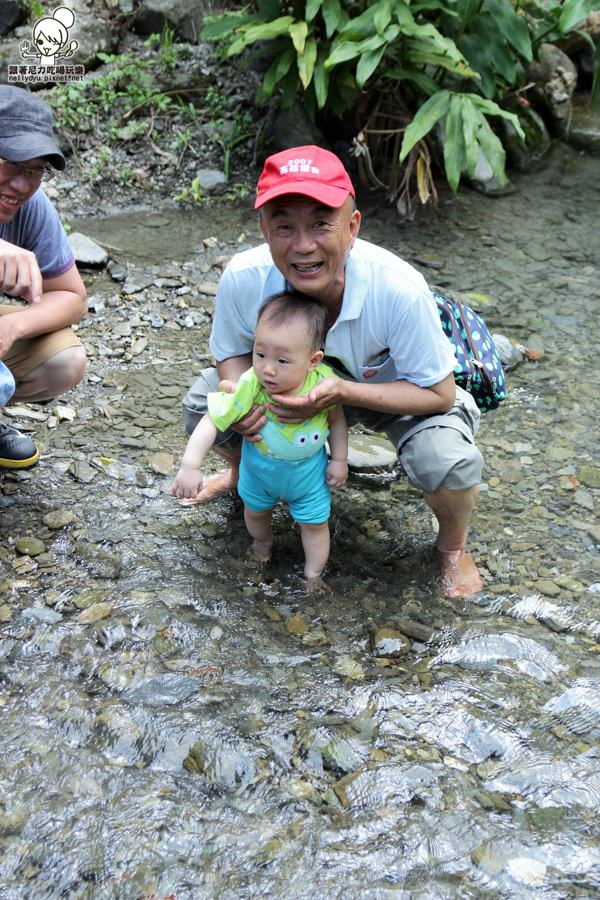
column 388, row 328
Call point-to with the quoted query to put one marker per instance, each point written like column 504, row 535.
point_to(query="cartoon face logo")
column 50, row 37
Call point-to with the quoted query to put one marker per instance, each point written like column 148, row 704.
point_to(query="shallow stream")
column 177, row 723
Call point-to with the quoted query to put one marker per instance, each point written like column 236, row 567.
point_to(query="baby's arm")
column 188, row 481
column 337, row 469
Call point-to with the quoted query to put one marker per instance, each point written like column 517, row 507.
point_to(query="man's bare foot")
column 261, row 550
column 213, row 487
column 460, row 577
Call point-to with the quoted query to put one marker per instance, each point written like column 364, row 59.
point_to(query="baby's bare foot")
column 316, row 586
column 261, row 550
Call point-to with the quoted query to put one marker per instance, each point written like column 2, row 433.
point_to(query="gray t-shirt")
column 37, row 227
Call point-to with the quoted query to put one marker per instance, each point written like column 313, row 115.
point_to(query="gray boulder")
column 12, row 13
column 555, row 79
column 584, row 132
column 184, row 17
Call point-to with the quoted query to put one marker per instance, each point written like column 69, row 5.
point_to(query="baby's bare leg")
column 315, row 540
column 259, row 527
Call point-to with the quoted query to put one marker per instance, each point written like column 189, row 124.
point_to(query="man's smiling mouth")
column 9, row 200
column 307, row 267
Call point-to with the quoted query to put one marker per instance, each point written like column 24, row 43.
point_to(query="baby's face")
column 282, row 355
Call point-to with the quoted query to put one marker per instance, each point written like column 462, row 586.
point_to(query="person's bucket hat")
column 310, row 171
column 26, row 128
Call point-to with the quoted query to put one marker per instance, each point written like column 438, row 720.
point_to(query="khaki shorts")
column 29, row 353
column 435, row 451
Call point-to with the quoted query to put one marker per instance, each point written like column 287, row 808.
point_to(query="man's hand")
column 292, row 410
column 20, row 275
column 337, row 473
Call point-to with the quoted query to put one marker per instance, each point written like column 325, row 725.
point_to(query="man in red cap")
column 384, row 339
column 36, row 265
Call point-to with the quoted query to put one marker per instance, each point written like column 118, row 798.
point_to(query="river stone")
column 414, row 630
column 388, row 642
column 42, row 614
column 12, row 14
column 161, row 463
column 296, row 625
column 5, row 612
column 584, row 131
column 210, row 179
column 589, row 475
column 30, row 546
column 369, row 451
column 58, row 518
column 349, row 668
column 94, row 613
column 86, row 251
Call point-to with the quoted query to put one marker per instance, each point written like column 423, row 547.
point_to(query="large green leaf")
column 511, row 26
column 492, row 109
column 359, row 27
column 220, row 26
column 492, row 149
column 306, row 61
column 422, row 81
column 427, row 116
column 471, row 122
column 312, row 8
column 454, row 143
column 276, row 71
column 268, row 30
column 298, row 32
column 574, row 12
column 367, row 64
column 332, row 14
column 321, row 78
column 421, row 54
column 382, row 14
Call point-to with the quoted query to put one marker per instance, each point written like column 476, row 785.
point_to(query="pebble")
column 86, row 251
column 367, row 452
column 94, row 613
column 30, row 546
column 59, row 518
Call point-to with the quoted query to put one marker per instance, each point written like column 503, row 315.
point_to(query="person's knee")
column 441, row 457
column 72, row 365
column 60, row 373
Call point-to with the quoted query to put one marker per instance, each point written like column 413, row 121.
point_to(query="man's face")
column 16, row 187
column 309, row 243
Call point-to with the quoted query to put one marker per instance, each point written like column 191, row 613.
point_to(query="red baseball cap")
column 311, row 171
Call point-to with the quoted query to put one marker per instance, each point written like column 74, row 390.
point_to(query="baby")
column 289, row 462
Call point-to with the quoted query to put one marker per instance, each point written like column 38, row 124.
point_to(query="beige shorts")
column 29, row 353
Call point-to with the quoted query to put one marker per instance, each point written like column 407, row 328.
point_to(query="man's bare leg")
column 453, row 509
column 222, row 483
column 259, row 528
column 55, row 376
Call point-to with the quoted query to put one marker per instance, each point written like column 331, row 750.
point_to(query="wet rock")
column 584, row 131
column 5, row 612
column 94, row 613
column 589, row 476
column 86, row 251
column 161, row 463
column 162, row 690
column 82, row 471
column 296, row 624
column 348, row 667
column 59, row 518
column 12, row 13
column 367, row 452
column 223, row 763
column 42, row 614
column 521, row 154
column 388, row 642
column 414, row 630
column 30, row 546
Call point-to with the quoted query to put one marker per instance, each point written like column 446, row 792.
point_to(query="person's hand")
column 293, row 410
column 251, row 424
column 337, row 473
column 7, row 334
column 20, row 274
column 188, row 482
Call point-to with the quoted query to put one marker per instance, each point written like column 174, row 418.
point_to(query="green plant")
column 165, row 44
column 450, row 62
column 193, row 193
